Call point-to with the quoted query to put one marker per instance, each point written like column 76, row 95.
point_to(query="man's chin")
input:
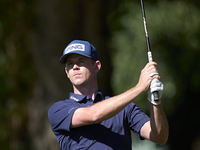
column 78, row 83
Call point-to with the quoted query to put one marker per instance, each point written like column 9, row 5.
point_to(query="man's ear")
column 66, row 72
column 97, row 66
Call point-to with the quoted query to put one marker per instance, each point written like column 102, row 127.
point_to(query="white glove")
column 156, row 85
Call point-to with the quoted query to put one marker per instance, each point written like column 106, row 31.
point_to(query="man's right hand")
column 145, row 76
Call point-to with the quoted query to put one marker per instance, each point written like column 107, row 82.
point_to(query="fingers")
column 151, row 67
column 148, row 73
column 152, row 70
column 156, row 77
column 153, row 74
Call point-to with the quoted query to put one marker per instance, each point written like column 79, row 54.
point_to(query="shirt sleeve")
column 60, row 115
column 136, row 118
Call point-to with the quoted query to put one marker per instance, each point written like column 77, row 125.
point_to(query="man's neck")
column 83, row 90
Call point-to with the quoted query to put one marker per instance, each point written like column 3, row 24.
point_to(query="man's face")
column 80, row 69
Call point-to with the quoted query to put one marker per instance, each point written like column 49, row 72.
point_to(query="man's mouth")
column 77, row 74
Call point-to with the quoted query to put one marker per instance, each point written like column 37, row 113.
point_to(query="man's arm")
column 110, row 107
column 105, row 109
column 156, row 130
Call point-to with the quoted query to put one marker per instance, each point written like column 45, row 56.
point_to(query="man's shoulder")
column 59, row 104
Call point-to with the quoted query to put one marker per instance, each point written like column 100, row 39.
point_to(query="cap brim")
column 64, row 57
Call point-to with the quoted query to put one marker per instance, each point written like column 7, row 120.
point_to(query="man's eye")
column 69, row 64
column 81, row 61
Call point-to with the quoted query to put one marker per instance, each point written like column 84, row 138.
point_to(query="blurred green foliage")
column 17, row 73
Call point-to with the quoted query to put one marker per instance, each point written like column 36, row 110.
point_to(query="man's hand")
column 146, row 76
column 156, row 85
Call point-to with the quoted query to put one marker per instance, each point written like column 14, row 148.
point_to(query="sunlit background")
column 33, row 35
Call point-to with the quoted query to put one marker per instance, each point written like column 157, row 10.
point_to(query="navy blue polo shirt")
column 111, row 134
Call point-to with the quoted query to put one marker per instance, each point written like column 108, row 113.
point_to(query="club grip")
column 156, row 95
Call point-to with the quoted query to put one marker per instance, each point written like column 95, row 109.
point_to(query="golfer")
column 90, row 120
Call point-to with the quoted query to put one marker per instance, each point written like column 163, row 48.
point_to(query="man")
column 89, row 120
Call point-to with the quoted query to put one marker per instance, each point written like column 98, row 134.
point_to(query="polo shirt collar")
column 78, row 98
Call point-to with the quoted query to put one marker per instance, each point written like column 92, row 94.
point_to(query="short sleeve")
column 60, row 115
column 136, row 118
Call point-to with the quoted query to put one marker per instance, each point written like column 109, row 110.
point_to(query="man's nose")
column 76, row 66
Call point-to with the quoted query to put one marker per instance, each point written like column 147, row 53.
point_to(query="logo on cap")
column 75, row 47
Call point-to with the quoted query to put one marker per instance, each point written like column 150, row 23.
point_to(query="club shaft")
column 145, row 27
column 156, row 94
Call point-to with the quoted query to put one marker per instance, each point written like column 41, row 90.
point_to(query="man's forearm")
column 112, row 106
column 159, row 124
